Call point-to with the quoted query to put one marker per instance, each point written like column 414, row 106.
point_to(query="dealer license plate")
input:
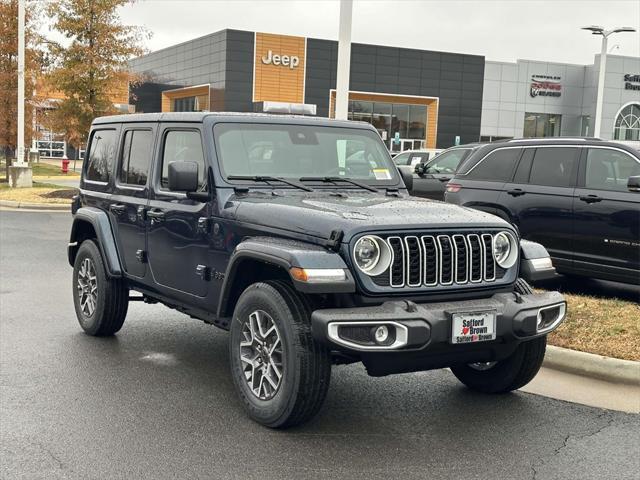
column 473, row 327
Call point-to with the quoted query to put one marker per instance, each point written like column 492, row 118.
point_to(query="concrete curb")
column 36, row 206
column 594, row 366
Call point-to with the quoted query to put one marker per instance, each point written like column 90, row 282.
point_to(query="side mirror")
column 407, row 177
column 633, row 184
column 420, row 169
column 183, row 176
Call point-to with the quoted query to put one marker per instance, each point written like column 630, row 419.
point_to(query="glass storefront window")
column 410, row 121
column 190, row 104
column 542, row 125
column 400, row 120
column 417, row 121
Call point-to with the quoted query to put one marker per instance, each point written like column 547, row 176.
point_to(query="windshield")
column 297, row 151
column 447, row 162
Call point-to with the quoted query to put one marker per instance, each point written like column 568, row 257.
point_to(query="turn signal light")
column 318, row 275
column 453, row 187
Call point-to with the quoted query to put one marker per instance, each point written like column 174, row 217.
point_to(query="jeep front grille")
column 440, row 260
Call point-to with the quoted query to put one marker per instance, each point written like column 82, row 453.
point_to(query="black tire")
column 112, row 302
column 522, row 287
column 506, row 375
column 305, row 363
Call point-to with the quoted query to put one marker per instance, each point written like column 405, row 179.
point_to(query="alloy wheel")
column 87, row 287
column 261, row 355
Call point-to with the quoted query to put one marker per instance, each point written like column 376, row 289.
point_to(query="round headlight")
column 372, row 255
column 505, row 249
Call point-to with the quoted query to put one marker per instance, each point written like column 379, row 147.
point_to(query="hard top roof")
column 199, row 117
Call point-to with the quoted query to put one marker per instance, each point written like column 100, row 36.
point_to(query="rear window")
column 102, row 154
column 554, row 167
column 497, row 166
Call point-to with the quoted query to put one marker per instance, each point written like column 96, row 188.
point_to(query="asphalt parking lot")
column 156, row 401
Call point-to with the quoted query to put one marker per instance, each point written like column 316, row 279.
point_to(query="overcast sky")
column 502, row 30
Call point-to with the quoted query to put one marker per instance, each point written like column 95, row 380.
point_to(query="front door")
column 130, row 196
column 178, row 247
column 606, row 214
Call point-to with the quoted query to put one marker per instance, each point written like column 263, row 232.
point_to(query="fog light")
column 381, row 334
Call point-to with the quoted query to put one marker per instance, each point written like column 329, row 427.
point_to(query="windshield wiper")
column 267, row 179
column 339, row 179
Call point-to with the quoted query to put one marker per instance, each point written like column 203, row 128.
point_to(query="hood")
column 320, row 212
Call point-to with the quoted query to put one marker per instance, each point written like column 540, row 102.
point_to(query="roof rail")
column 550, row 139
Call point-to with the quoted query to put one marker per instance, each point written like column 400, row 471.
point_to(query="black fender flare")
column 283, row 254
column 99, row 220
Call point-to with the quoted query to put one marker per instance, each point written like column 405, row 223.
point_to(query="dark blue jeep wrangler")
column 298, row 236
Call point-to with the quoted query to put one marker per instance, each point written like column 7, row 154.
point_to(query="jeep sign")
column 284, row 60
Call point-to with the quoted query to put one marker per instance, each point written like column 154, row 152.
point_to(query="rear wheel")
column 101, row 302
column 280, row 372
column 505, row 375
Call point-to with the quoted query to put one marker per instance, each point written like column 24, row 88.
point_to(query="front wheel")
column 280, row 372
column 101, row 302
column 506, row 375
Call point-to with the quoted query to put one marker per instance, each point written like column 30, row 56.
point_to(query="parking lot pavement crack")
column 541, row 460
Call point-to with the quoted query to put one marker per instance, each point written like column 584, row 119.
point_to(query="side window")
column 183, row 146
column 609, row 169
column 524, row 167
column 136, row 157
column 447, row 162
column 554, row 167
column 497, row 166
column 401, row 159
column 102, row 154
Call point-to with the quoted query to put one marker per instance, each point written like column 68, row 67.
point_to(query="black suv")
column 299, row 237
column 579, row 197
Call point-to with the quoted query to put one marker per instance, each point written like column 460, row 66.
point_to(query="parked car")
column 431, row 177
column 311, row 253
column 411, row 158
column 580, row 198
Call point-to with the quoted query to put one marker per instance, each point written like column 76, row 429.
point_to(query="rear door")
column 178, row 248
column 539, row 200
column 130, row 195
column 606, row 214
column 483, row 184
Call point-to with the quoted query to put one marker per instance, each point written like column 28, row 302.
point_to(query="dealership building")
column 414, row 98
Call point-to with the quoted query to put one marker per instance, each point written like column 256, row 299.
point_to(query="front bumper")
column 425, row 330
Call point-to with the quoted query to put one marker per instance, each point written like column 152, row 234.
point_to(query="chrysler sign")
column 545, row 86
column 284, row 60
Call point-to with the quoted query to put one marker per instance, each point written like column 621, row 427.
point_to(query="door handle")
column 156, row 216
column 117, row 208
column 444, row 179
column 516, row 192
column 590, row 198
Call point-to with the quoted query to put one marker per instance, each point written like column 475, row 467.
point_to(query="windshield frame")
column 394, row 182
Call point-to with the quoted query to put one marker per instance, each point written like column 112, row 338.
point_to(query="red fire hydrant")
column 65, row 164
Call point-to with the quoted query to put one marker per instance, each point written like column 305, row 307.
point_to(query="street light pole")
column 20, row 144
column 597, row 30
column 344, row 60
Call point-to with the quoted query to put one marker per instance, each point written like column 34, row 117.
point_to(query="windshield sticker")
column 381, row 174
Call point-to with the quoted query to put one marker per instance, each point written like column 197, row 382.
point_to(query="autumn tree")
column 91, row 68
column 9, row 72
